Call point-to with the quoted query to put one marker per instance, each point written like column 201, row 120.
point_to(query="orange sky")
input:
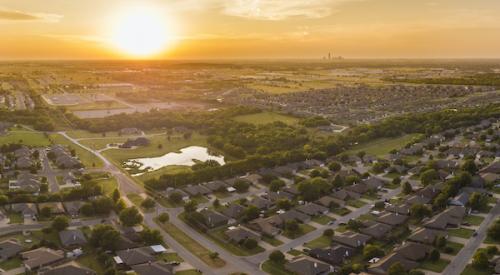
column 62, row 29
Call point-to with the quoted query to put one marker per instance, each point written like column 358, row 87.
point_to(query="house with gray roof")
column 72, row 268
column 72, row 238
column 156, row 268
column 135, row 256
column 9, row 249
column 308, row 266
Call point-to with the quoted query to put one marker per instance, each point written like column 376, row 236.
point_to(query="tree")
column 328, row 233
column 120, row 205
column 241, row 186
column 371, row 251
column 163, row 217
column 419, row 211
column 151, row 237
column 480, row 260
column 338, row 182
column 428, row 176
column 45, row 212
column 277, row 257
column 216, row 203
column 130, row 216
column 60, row 223
column 396, row 181
column 148, row 203
column 4, row 199
column 434, row 256
column 396, row 269
column 292, row 226
column 87, row 209
column 103, row 205
column 116, row 195
column 175, row 197
column 213, row 255
column 494, row 230
column 477, row 201
column 470, row 167
column 334, row 166
column 250, row 243
column 276, row 185
column 190, row 206
column 104, row 236
column 284, row 204
column 251, row 212
column 407, row 189
column 440, row 242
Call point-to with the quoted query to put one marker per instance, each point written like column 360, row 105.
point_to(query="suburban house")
column 72, row 268
column 333, row 255
column 9, row 249
column 40, row 257
column 308, row 266
column 240, row 234
column 392, row 219
column 351, row 239
column 377, row 230
column 72, row 238
column 213, row 219
column 312, row 209
column 156, row 268
column 426, row 235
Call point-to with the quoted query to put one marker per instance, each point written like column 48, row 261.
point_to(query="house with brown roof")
column 329, row 202
column 377, row 230
column 359, row 188
column 351, row 239
column 265, row 227
column 40, row 257
column 308, row 266
column 72, row 268
column 451, row 217
column 392, row 219
column 426, row 235
column 261, row 203
column 401, row 209
column 234, row 211
column 345, row 195
column 312, row 209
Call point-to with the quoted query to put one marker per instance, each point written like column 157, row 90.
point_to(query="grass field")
column 266, row 117
column 188, row 272
column 90, row 261
column 222, row 240
column 303, row 229
column 470, row 270
column 173, row 169
column 153, row 150
column 323, row 219
column 88, row 159
column 272, row 241
column 97, row 106
column 455, row 246
column 382, row 146
column 194, row 247
column 26, row 137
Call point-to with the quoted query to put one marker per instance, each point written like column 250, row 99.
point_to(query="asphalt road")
column 461, row 260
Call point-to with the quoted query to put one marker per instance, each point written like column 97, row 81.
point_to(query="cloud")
column 13, row 15
column 280, row 9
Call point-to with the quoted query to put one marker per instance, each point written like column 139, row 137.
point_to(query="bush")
column 434, row 256
column 148, row 203
column 328, row 233
column 277, row 257
column 60, row 223
column 163, row 217
column 250, row 243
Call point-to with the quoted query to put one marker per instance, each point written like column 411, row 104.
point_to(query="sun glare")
column 142, row 32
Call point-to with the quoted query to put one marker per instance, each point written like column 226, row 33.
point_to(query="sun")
column 141, row 32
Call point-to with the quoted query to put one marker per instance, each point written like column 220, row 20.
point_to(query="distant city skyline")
column 248, row 29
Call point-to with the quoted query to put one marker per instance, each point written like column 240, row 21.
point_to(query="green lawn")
column 455, row 246
column 303, row 229
column 319, row 242
column 97, row 106
column 101, row 143
column 470, row 270
column 356, row 203
column 294, row 252
column 89, row 260
column 382, row 146
column 11, row 264
column 136, row 199
column 266, row 117
column 171, row 257
column 274, row 268
column 341, row 211
column 88, row 159
column 473, row 219
column 190, row 244
column 322, row 219
column 437, row 266
column 172, row 169
column 272, row 241
column 16, row 218
column 461, row 232
column 489, row 240
column 26, row 137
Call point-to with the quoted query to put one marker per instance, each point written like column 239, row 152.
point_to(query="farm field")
column 383, row 146
column 266, row 117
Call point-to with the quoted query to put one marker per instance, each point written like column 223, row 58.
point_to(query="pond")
column 186, row 157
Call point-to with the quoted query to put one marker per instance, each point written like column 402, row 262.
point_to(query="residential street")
column 463, row 257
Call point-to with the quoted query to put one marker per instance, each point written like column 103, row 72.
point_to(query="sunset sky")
column 214, row 29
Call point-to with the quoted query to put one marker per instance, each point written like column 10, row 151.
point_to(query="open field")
column 97, row 106
column 87, row 158
column 383, row 146
column 26, row 137
column 266, row 117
